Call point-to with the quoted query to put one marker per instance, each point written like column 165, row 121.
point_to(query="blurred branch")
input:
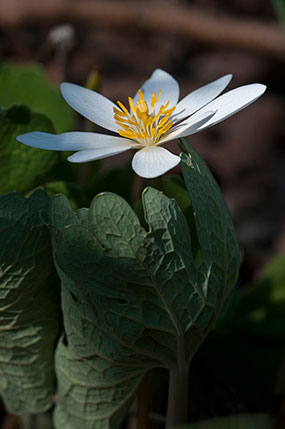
column 267, row 38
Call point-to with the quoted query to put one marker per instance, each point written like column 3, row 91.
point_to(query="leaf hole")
column 36, row 294
column 75, row 299
column 64, row 340
column 123, row 302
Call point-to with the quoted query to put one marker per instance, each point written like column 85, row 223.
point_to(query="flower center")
column 142, row 123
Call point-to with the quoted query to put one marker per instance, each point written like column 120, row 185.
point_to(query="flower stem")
column 177, row 407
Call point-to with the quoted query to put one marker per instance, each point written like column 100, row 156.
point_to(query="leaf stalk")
column 177, row 407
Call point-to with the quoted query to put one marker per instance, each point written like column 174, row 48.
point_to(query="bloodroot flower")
column 155, row 116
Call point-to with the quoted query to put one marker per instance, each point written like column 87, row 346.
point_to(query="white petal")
column 160, row 80
column 188, row 127
column 90, row 104
column 74, row 141
column 153, row 161
column 100, row 153
column 201, row 96
column 231, row 102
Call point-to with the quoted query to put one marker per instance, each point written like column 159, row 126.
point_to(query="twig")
column 267, row 38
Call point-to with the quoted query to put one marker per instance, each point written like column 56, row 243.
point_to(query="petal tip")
column 159, row 71
column 19, row 138
column 23, row 138
column 65, row 86
column 73, row 160
column 262, row 88
column 228, row 77
column 258, row 89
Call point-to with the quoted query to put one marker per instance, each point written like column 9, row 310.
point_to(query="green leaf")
column 215, row 231
column 174, row 187
column 28, row 84
column 22, row 167
column 132, row 299
column 29, row 304
column 240, row 421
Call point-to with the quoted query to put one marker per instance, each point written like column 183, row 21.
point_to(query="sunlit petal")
column 152, row 118
column 201, row 96
column 160, row 81
column 74, row 141
column 90, row 104
column 188, row 127
column 153, row 161
column 230, row 103
column 94, row 154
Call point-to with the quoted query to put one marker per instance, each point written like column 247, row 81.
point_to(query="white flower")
column 154, row 117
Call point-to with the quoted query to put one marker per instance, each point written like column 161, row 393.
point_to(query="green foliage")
column 214, row 228
column 29, row 304
column 28, row 84
column 132, row 299
column 240, row 421
column 262, row 304
column 279, row 6
column 251, row 333
column 174, row 187
column 22, row 167
column 73, row 192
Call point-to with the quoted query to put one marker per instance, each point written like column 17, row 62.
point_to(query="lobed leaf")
column 136, row 299
column 29, row 305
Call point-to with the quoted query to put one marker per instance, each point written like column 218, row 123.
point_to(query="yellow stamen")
column 150, row 121
column 142, row 124
column 152, row 101
column 132, row 121
column 164, row 129
column 132, row 105
column 166, row 105
column 123, row 108
column 129, row 135
column 118, row 118
column 119, row 112
column 169, row 111
column 141, row 96
column 160, row 112
column 142, row 109
column 125, row 127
